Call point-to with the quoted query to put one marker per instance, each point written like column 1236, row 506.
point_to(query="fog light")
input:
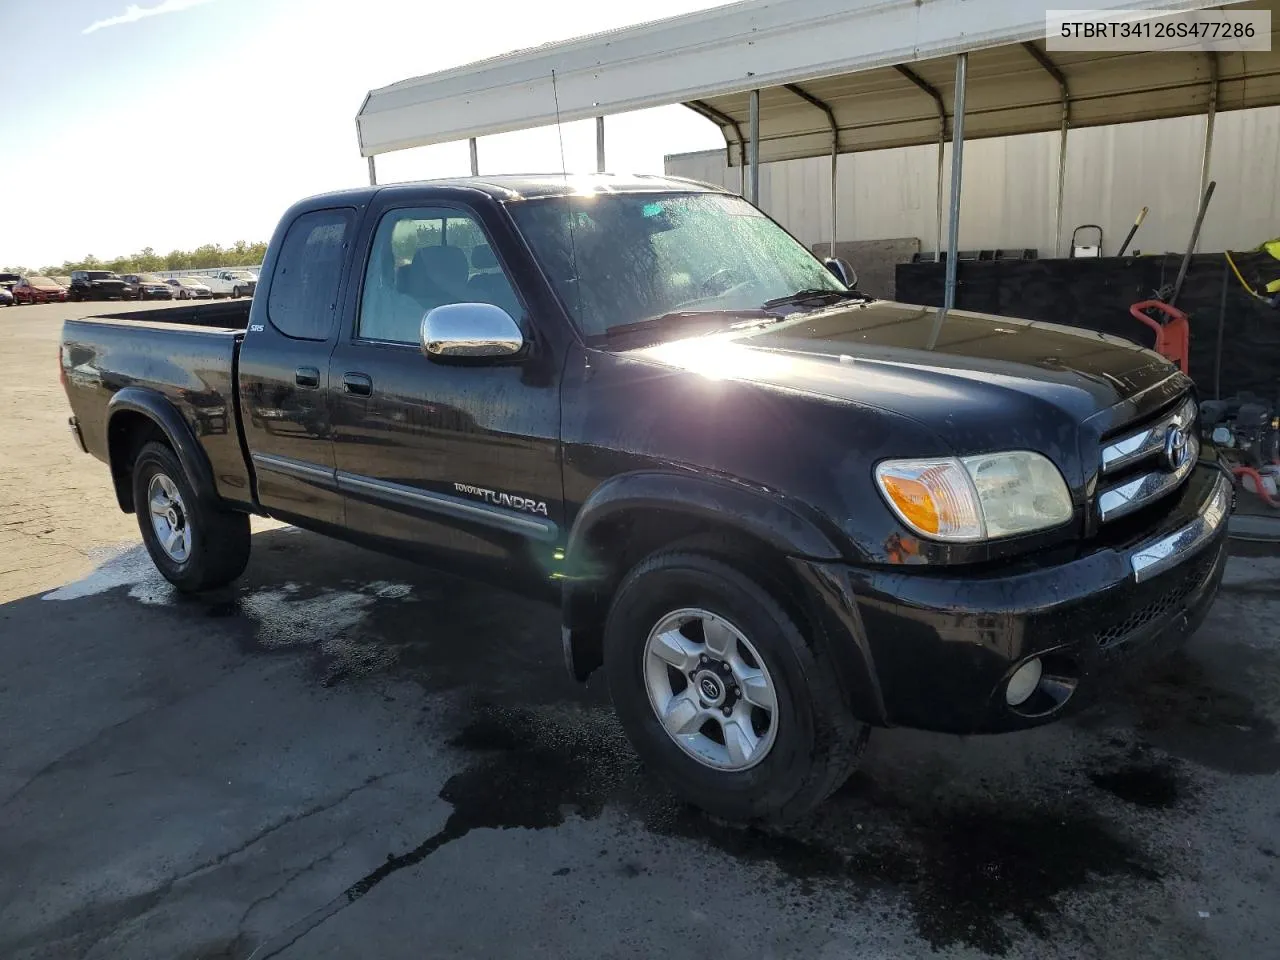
column 1023, row 683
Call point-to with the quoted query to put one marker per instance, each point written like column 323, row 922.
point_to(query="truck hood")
column 984, row 381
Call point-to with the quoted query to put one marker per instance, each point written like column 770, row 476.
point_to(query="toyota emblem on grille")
column 1175, row 448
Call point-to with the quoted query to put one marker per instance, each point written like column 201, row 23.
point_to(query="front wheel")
column 720, row 693
column 195, row 545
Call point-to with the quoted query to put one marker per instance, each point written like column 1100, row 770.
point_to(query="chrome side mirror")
column 470, row 331
column 843, row 271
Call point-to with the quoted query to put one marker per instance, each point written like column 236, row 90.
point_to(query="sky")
column 173, row 123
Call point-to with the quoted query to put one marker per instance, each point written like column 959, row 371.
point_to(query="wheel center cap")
column 172, row 517
column 710, row 689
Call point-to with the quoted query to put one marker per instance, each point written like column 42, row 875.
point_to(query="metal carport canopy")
column 847, row 55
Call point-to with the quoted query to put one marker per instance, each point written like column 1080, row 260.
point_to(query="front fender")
column 791, row 528
column 161, row 411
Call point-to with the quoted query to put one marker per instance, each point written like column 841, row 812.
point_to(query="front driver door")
column 456, row 464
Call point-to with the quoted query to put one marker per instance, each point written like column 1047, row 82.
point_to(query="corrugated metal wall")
column 1010, row 184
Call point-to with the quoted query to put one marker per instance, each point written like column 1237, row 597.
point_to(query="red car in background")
column 38, row 290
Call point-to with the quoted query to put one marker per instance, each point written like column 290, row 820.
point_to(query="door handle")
column 308, row 377
column 359, row 384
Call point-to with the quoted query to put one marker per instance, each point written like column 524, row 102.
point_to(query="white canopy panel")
column 1011, row 89
column 842, row 51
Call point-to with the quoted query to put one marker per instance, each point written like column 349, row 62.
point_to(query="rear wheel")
column 721, row 694
column 195, row 546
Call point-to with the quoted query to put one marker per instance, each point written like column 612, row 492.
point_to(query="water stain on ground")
column 1144, row 782
column 973, row 871
column 1181, row 711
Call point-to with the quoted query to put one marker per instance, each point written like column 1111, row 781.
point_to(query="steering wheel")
column 711, row 285
column 716, row 298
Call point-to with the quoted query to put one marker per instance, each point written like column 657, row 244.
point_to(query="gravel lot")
column 346, row 756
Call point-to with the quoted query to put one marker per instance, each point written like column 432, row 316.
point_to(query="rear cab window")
column 303, row 302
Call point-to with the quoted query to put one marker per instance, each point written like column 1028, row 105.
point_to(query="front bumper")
column 934, row 650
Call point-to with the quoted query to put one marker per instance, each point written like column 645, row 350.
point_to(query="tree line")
column 239, row 254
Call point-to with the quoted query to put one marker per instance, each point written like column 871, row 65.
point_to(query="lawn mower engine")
column 1245, row 432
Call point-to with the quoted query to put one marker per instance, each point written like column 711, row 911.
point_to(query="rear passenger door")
column 284, row 378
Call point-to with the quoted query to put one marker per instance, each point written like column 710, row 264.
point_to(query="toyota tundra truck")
column 775, row 511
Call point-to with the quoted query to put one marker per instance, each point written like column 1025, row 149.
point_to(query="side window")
column 422, row 258
column 304, row 286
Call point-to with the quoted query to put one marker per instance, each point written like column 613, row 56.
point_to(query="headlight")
column 976, row 498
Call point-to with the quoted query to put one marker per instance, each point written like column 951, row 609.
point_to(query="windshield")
column 100, row 275
column 149, row 278
column 41, row 282
column 642, row 256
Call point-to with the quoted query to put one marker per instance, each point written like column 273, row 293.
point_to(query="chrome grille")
column 1141, row 465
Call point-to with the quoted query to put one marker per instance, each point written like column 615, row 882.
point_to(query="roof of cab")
column 512, row 187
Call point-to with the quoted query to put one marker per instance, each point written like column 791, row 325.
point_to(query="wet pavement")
column 343, row 755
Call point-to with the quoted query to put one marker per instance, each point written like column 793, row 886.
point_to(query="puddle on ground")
column 973, row 871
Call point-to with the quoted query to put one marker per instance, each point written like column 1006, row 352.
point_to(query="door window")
column 304, row 286
column 423, row 258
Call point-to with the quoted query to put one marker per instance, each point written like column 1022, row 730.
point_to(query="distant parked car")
column 95, row 285
column 62, row 281
column 6, row 298
column 147, row 286
column 216, row 284
column 7, row 280
column 38, row 290
column 190, row 288
column 243, row 282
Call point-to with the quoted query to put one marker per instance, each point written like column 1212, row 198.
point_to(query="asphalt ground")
column 343, row 755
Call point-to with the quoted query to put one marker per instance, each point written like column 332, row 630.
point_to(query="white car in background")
column 190, row 288
column 217, row 284
column 243, row 282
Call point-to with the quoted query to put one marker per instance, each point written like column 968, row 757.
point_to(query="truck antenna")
column 576, row 280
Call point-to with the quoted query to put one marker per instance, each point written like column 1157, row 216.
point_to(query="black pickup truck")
column 778, row 512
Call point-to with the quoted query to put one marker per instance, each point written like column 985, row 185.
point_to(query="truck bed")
column 225, row 314
column 187, row 354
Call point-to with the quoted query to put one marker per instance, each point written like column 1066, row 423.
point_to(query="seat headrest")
column 446, row 265
column 483, row 258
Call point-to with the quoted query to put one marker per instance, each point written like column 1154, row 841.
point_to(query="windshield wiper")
column 807, row 296
column 683, row 318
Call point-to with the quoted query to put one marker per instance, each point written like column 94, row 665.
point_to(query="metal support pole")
column 724, row 120
column 942, row 162
column 599, row 144
column 373, row 174
column 957, row 169
column 933, row 93
column 1051, row 68
column 1062, row 185
column 475, row 159
column 1208, row 122
column 835, row 155
column 808, row 97
column 753, row 150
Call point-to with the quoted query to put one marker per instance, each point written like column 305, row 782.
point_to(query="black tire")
column 220, row 539
column 817, row 743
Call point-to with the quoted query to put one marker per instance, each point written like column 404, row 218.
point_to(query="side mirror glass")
column 843, row 271
column 470, row 331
